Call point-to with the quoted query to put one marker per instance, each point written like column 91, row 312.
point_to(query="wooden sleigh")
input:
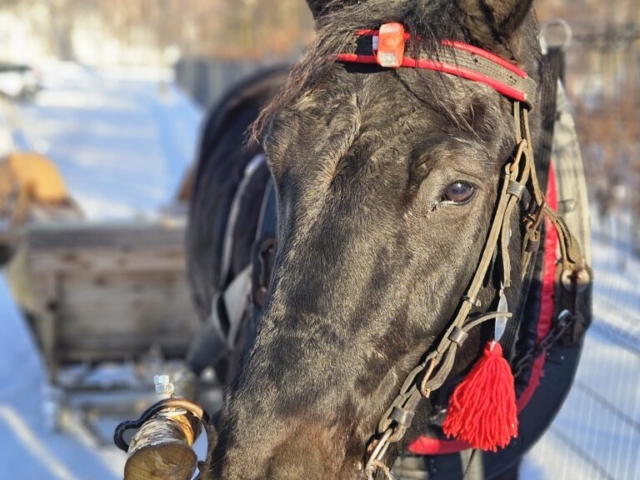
column 99, row 297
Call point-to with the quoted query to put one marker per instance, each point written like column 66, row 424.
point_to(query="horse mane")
column 253, row 87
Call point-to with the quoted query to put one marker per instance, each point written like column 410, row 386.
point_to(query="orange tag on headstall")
column 390, row 45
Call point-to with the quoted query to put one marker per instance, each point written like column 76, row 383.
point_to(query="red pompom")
column 482, row 409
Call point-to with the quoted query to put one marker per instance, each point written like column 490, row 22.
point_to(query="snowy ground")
column 597, row 433
column 123, row 146
column 122, row 142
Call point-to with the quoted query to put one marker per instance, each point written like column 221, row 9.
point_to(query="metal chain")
column 565, row 321
column 398, row 417
column 375, row 462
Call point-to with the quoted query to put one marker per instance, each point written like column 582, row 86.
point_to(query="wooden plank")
column 120, row 351
column 107, row 260
column 125, row 312
column 105, row 293
column 118, row 236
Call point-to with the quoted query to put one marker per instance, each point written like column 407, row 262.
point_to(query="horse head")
column 387, row 182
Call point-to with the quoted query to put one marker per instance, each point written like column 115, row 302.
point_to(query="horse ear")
column 491, row 19
column 317, row 6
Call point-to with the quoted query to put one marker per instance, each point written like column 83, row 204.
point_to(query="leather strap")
column 218, row 336
column 234, row 213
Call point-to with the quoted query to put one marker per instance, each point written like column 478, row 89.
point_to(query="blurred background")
column 101, row 105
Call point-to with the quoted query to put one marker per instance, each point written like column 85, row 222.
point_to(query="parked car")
column 18, row 80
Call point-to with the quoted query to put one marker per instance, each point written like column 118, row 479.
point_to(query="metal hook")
column 568, row 33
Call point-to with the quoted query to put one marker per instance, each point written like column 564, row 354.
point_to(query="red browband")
column 454, row 58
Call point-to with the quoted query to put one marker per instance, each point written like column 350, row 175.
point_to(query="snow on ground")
column 596, row 435
column 28, row 450
column 123, row 146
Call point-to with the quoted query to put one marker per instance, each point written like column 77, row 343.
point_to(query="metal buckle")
column 390, row 45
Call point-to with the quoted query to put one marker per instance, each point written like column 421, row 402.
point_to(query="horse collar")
column 386, row 47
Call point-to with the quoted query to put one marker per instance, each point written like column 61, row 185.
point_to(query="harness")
column 386, row 48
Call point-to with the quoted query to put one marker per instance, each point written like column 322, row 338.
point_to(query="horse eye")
column 458, row 192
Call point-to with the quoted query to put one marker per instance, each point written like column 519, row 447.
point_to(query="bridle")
column 519, row 185
column 385, row 47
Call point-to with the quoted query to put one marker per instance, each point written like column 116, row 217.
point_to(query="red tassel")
column 482, row 409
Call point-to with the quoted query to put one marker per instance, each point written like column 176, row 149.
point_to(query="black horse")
column 388, row 186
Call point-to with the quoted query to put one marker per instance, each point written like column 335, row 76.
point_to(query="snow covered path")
column 123, row 147
column 596, row 435
column 28, row 451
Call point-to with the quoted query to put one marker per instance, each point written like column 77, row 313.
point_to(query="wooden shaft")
column 161, row 450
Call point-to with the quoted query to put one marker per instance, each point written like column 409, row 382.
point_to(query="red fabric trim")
column 366, row 31
column 547, row 295
column 355, row 58
column 424, row 445
column 445, row 68
column 488, row 55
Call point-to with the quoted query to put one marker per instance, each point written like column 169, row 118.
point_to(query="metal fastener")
column 163, row 384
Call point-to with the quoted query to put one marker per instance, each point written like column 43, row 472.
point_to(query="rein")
column 386, row 47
